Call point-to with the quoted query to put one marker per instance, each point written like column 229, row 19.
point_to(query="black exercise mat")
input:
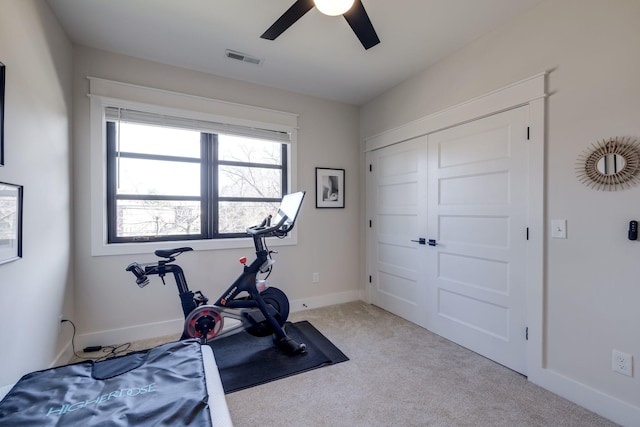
column 245, row 361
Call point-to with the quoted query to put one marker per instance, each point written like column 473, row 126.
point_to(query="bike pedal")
column 291, row 346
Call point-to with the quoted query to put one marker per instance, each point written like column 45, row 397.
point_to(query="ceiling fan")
column 352, row 10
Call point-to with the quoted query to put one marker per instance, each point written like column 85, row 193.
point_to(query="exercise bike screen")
column 290, row 207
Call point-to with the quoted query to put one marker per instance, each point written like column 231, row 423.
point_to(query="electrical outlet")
column 60, row 324
column 622, row 363
column 315, row 278
column 559, row 228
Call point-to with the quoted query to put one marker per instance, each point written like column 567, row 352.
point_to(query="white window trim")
column 105, row 93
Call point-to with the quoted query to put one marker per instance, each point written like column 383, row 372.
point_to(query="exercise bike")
column 257, row 308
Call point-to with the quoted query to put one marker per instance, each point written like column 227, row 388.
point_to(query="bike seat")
column 170, row 253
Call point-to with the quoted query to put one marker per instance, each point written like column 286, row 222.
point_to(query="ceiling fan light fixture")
column 333, row 7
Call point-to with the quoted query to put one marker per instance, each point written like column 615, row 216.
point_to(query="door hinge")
column 528, row 133
column 370, row 223
column 526, row 333
column 370, row 279
column 370, row 167
column 527, row 233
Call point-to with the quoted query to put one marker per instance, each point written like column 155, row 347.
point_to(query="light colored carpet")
column 398, row 375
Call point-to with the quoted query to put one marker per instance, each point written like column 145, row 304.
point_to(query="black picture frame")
column 11, row 197
column 329, row 188
column 2, row 82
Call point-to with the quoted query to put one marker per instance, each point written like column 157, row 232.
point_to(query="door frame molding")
column 529, row 92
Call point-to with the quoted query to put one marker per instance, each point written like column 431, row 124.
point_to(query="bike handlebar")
column 141, row 279
column 265, row 228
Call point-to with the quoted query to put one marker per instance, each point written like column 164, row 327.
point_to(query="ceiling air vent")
column 238, row 56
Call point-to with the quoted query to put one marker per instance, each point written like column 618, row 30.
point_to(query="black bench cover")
column 163, row 386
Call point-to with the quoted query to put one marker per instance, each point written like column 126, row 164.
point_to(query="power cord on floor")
column 110, row 351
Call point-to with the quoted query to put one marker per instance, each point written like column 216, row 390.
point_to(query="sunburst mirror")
column 611, row 164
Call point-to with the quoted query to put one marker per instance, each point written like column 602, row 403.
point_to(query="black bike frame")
column 246, row 282
column 251, row 311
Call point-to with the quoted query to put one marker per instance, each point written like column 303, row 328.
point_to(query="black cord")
column 114, row 351
column 110, row 350
column 264, row 243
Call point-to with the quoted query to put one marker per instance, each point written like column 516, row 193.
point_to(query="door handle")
column 432, row 242
column 421, row 240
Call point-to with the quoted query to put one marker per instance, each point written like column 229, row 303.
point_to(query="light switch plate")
column 559, row 228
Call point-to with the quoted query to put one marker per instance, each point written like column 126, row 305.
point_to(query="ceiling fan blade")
column 361, row 25
column 295, row 12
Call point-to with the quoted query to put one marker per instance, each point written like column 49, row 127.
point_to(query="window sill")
column 103, row 249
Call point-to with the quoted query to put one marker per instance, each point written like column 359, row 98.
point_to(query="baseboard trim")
column 610, row 407
column 64, row 356
column 169, row 327
column 134, row 333
column 324, row 300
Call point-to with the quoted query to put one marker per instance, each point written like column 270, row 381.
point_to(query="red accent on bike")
column 243, row 260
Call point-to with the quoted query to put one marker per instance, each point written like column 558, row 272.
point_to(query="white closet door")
column 477, row 187
column 465, row 189
column 397, row 192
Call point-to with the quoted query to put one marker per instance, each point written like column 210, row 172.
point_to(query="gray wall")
column 592, row 279
column 36, row 289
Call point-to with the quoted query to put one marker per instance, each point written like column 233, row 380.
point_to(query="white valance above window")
column 162, row 107
column 118, row 114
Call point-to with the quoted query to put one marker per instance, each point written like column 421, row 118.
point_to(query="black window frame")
column 209, row 197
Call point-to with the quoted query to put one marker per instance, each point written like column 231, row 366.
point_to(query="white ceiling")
column 319, row 55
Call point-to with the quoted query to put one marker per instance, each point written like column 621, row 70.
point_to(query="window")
column 124, row 103
column 176, row 179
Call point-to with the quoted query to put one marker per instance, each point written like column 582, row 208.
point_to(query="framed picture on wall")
column 2, row 114
column 329, row 188
column 10, row 222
